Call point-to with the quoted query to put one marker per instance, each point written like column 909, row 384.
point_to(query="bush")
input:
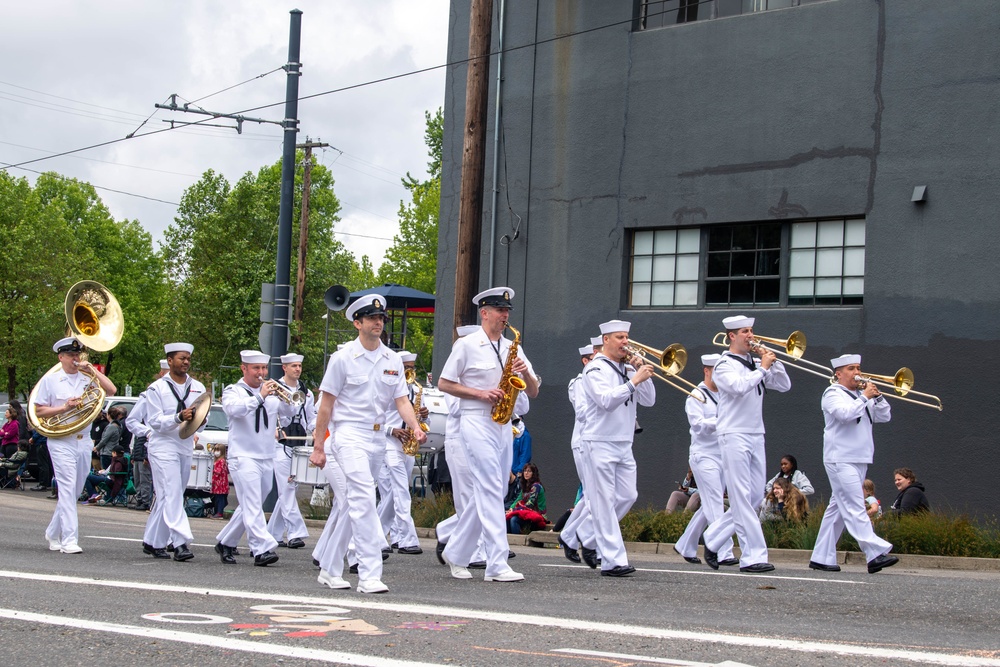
column 428, row 512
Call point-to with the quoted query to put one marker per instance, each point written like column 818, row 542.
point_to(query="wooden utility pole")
column 300, row 280
column 470, row 216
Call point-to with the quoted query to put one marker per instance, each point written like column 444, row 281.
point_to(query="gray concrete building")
column 830, row 167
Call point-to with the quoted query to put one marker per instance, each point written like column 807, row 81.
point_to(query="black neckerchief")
column 853, row 395
column 623, row 373
column 180, row 401
column 708, row 392
column 752, row 365
column 260, row 409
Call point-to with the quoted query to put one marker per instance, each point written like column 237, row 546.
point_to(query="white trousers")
column 253, row 479
column 610, row 486
column 168, row 522
column 743, row 465
column 489, row 447
column 461, row 489
column 327, row 551
column 579, row 528
column 394, row 487
column 286, row 515
column 707, row 471
column 847, row 510
column 70, row 467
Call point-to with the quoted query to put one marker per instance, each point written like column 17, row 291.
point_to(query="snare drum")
column 201, row 471
column 302, row 470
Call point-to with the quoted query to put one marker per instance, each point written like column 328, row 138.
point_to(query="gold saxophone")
column 410, row 445
column 510, row 384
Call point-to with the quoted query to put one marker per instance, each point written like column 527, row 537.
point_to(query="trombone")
column 902, row 384
column 669, row 362
column 794, row 347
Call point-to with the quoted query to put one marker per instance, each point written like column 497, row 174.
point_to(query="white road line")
column 137, row 540
column 549, row 622
column 227, row 643
column 725, row 574
column 120, row 523
column 643, row 658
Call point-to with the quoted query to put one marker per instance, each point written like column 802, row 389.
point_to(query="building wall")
column 836, row 108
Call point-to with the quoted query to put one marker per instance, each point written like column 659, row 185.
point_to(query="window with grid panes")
column 826, row 263
column 665, row 268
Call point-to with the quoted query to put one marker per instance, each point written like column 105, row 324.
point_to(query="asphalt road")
column 113, row 605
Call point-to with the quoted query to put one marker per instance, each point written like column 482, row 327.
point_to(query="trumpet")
column 668, row 364
column 794, row 347
column 295, row 398
column 902, row 384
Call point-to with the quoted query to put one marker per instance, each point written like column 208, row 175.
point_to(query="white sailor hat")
column 845, row 359
column 466, row 329
column 68, row 344
column 254, row 357
column 291, row 358
column 367, row 304
column 498, row 297
column 586, row 350
column 737, row 322
column 178, row 347
column 164, row 365
column 614, row 326
column 710, row 359
column 407, row 356
column 597, row 341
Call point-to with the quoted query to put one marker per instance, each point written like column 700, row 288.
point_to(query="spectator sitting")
column 220, row 482
column 9, row 434
column 784, row 501
column 117, row 472
column 872, row 505
column 110, row 437
column 10, row 467
column 528, row 508
column 790, row 471
column 911, row 498
column 521, row 457
column 23, row 427
column 686, row 496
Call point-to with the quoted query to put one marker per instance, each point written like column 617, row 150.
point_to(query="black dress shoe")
column 757, row 568
column 182, row 553
column 813, row 565
column 385, row 555
column 694, row 560
column 439, row 552
column 477, row 565
column 147, row 549
column 412, row 551
column 296, row 543
column 282, row 543
column 160, row 553
column 590, row 557
column 571, row 554
column 264, row 559
column 511, row 554
column 353, row 569
column 394, row 546
column 170, row 547
column 315, row 563
column 235, row 551
column 712, row 558
column 618, row 571
column 881, row 562
column 225, row 553
column 386, row 550
column 729, row 562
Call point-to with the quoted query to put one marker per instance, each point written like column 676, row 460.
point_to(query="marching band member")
column 394, row 477
column 59, row 393
column 613, row 388
column 740, row 427
column 580, row 520
column 705, row 459
column 135, row 422
column 359, row 385
column 252, row 409
column 169, row 455
column 286, row 515
column 472, row 373
column 850, row 409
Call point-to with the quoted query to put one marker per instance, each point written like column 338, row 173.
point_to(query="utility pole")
column 300, row 280
column 470, row 216
column 279, row 331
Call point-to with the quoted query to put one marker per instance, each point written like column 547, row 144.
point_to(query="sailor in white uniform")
column 472, row 373
column 58, row 393
column 360, row 384
column 613, row 388
column 135, row 422
column 286, row 516
column 705, row 459
column 740, row 426
column 253, row 410
column 167, row 407
column 850, row 409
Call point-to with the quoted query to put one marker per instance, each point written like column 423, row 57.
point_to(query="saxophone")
column 410, row 445
column 510, row 384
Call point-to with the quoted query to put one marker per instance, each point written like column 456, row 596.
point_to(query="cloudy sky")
column 74, row 74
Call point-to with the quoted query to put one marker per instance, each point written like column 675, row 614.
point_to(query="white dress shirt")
column 162, row 413
column 365, row 383
column 702, row 419
column 251, row 430
column 611, row 400
column 849, row 416
column 476, row 363
column 741, row 392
